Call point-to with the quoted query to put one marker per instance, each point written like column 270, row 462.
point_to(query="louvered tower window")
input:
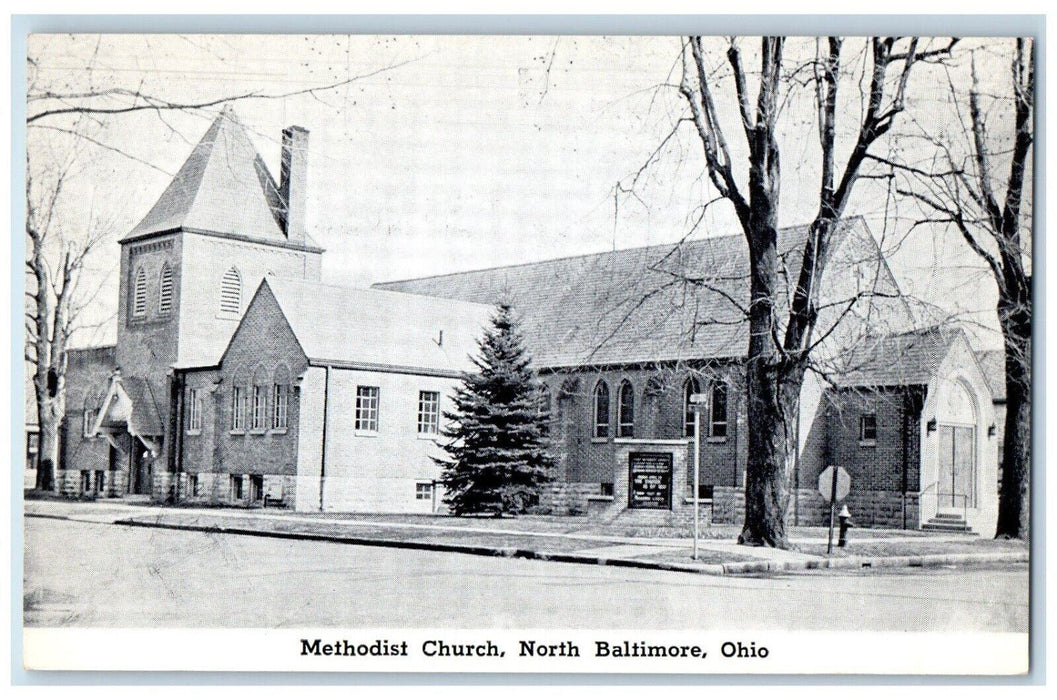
column 231, row 292
column 139, row 293
column 165, row 290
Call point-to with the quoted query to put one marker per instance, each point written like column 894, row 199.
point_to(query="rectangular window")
column 367, row 408
column 424, row 491
column 236, row 487
column 100, row 483
column 88, row 422
column 238, row 416
column 428, row 412
column 193, row 484
column 260, row 406
column 194, row 411
column 279, row 406
column 86, row 481
column 717, row 419
column 868, row 429
column 32, row 448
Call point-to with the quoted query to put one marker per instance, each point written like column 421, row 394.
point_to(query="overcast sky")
column 456, row 153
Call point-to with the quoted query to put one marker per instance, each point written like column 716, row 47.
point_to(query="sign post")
column 833, row 484
column 698, row 403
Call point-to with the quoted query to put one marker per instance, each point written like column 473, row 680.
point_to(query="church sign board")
column 650, row 480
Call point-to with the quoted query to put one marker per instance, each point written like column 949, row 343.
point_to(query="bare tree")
column 55, row 296
column 976, row 184
column 782, row 336
column 65, row 123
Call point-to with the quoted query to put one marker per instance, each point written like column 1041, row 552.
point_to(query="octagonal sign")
column 825, row 483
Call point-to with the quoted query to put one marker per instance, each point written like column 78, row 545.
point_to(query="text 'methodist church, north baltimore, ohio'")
column 239, row 378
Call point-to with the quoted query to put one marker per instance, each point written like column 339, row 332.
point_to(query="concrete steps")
column 947, row 522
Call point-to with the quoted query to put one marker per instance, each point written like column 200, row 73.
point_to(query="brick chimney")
column 293, row 181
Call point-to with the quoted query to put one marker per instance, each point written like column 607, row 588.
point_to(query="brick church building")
column 239, row 378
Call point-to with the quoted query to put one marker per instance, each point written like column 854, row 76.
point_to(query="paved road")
column 88, row 574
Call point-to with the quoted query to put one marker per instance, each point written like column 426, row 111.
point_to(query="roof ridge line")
column 574, row 257
column 370, row 290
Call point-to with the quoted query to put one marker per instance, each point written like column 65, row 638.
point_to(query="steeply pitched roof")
column 146, row 409
column 898, row 360
column 628, row 306
column 993, row 363
column 375, row 328
column 131, row 404
column 223, row 187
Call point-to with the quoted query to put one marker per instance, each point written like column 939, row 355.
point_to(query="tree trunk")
column 1014, row 503
column 48, row 456
column 766, row 491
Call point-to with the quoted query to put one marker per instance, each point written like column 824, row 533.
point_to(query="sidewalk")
column 525, row 538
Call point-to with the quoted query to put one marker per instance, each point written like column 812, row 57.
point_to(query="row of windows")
column 368, row 401
column 230, row 292
column 717, row 410
column 249, row 409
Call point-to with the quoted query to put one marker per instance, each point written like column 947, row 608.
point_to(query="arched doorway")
column 956, row 474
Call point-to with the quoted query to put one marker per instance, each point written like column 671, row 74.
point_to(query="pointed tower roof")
column 223, row 188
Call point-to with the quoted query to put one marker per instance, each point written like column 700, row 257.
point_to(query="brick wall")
column 147, row 345
column 658, row 414
column 883, row 464
column 87, row 375
column 262, row 352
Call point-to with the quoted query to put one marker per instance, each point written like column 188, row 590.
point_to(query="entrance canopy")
column 130, row 407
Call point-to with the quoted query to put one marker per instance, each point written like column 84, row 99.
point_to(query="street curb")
column 732, row 568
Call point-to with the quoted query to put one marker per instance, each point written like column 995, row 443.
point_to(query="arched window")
column 626, row 410
column 165, row 290
column 280, row 397
column 258, row 397
column 691, row 387
column 601, row 412
column 139, row 293
column 239, row 380
column 91, row 410
column 717, row 411
column 231, row 292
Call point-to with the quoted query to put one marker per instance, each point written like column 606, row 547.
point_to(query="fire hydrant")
column 845, row 522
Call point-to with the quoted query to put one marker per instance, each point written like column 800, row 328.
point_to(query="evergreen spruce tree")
column 497, row 449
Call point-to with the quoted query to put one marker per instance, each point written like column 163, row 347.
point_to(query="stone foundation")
column 70, row 484
column 882, row 509
column 278, row 490
column 572, row 498
column 728, row 504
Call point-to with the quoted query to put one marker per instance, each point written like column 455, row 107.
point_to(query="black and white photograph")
column 694, row 354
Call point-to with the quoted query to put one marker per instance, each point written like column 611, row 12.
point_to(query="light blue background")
column 924, row 25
